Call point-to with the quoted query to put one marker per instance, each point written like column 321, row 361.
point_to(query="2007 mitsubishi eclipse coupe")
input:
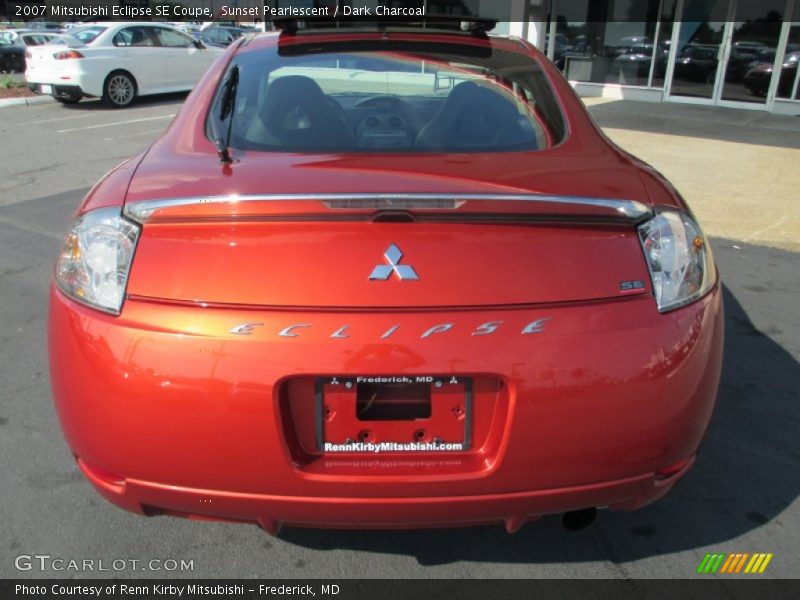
column 388, row 277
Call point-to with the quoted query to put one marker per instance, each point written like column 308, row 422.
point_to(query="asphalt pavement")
column 742, row 495
column 737, row 168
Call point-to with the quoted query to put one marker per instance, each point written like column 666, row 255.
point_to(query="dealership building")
column 735, row 53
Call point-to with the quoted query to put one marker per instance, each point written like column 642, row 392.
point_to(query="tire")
column 119, row 90
column 67, row 100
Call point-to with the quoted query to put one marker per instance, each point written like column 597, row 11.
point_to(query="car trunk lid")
column 469, row 241
column 39, row 58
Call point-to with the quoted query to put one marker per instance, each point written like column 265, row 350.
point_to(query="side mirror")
column 199, row 45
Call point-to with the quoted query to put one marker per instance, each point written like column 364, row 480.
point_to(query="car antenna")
column 228, row 108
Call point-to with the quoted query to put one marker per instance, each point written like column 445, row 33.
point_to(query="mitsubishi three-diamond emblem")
column 393, row 256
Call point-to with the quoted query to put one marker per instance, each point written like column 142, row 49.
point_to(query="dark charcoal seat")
column 298, row 114
column 475, row 117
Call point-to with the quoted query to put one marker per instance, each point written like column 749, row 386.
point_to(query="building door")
column 699, row 47
column 725, row 51
column 755, row 31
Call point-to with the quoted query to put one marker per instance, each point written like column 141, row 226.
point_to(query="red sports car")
column 388, row 277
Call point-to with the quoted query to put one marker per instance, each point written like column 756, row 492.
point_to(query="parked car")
column 634, row 40
column 15, row 41
column 635, row 63
column 37, row 38
column 192, row 29
column 221, row 37
column 328, row 296
column 741, row 59
column 13, row 46
column 12, row 53
column 758, row 78
column 697, row 63
column 117, row 61
column 746, row 46
column 40, row 25
column 766, row 55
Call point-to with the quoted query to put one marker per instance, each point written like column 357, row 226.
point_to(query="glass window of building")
column 490, row 9
column 613, row 41
column 756, row 30
column 663, row 42
column 788, row 87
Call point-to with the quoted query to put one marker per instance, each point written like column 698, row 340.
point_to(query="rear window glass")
column 403, row 99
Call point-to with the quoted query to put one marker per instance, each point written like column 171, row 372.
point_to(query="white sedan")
column 117, row 61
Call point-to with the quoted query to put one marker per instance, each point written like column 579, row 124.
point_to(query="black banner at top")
column 59, row 11
column 574, row 11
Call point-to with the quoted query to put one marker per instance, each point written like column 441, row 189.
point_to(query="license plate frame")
column 448, row 429
column 45, row 89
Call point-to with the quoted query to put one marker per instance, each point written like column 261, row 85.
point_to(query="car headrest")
column 298, row 113
column 473, row 116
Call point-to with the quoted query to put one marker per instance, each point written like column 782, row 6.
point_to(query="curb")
column 30, row 101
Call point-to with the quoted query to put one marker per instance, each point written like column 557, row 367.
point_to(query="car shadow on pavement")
column 696, row 121
column 140, row 102
column 747, row 473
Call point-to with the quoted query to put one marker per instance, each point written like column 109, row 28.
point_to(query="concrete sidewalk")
column 25, row 100
column 739, row 170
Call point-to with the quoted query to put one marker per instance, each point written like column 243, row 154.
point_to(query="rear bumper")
column 271, row 512
column 67, row 92
column 169, row 412
column 89, row 84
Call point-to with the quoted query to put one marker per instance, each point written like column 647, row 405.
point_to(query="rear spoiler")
column 476, row 26
column 436, row 206
column 296, row 47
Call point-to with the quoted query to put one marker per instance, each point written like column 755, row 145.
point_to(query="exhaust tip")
column 575, row 520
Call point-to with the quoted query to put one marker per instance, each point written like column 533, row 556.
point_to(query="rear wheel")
column 119, row 90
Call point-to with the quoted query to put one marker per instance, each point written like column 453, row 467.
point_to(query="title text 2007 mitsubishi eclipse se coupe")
column 387, row 277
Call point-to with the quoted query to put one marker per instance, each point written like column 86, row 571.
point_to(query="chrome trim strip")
column 631, row 210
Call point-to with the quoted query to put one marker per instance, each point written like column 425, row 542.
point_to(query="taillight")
column 67, row 54
column 96, row 258
column 679, row 258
